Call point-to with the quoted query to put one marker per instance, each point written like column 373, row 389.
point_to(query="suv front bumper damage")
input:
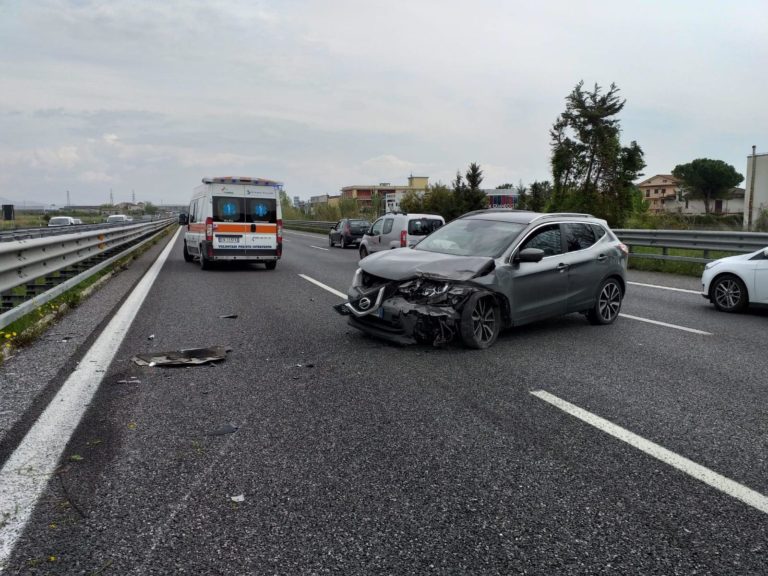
column 384, row 313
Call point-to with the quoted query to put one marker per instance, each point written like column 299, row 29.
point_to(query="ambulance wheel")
column 205, row 264
column 187, row 256
column 271, row 265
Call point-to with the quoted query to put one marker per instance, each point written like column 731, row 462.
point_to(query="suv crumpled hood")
column 404, row 263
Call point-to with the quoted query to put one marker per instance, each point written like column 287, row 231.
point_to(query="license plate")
column 228, row 239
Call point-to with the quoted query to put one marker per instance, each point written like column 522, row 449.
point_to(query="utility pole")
column 752, row 188
column 111, row 198
column 68, row 203
column 133, row 196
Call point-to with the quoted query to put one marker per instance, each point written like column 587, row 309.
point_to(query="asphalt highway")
column 352, row 456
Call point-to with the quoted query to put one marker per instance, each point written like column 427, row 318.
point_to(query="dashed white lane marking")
column 318, row 247
column 324, row 287
column 701, row 473
column 675, row 326
column 26, row 473
column 697, row 292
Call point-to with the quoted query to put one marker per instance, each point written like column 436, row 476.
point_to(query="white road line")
column 697, row 292
column 26, row 473
column 318, row 247
column 324, row 287
column 675, row 326
column 709, row 477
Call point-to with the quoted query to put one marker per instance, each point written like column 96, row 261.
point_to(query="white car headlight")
column 711, row 264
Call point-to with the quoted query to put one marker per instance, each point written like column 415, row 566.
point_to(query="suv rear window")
column 423, row 226
column 229, row 209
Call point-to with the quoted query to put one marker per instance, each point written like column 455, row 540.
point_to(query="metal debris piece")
column 233, row 316
column 240, row 498
column 222, row 430
column 151, row 337
column 186, row 357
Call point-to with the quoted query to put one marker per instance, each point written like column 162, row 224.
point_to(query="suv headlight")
column 357, row 279
column 711, row 264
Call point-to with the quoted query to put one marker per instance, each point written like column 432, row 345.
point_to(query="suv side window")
column 376, row 228
column 388, row 225
column 578, row 236
column 598, row 230
column 546, row 238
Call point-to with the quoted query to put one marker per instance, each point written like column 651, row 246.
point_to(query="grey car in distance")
column 348, row 232
column 486, row 271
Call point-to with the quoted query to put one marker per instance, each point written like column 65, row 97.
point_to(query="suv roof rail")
column 561, row 215
column 483, row 210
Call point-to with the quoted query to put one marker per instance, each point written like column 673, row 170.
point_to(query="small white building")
column 733, row 203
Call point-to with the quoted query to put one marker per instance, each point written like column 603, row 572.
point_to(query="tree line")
column 592, row 171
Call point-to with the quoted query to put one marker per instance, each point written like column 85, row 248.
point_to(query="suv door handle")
column 602, row 258
column 562, row 267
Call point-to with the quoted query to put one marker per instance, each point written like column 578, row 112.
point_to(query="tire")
column 330, row 240
column 187, row 256
column 205, row 264
column 728, row 293
column 608, row 303
column 480, row 322
column 343, row 243
column 271, row 265
column 363, row 252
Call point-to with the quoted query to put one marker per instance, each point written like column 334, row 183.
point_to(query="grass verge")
column 672, row 266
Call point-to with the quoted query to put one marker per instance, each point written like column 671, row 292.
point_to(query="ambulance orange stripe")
column 244, row 228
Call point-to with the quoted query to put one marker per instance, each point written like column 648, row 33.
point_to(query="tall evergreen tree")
column 591, row 171
column 475, row 198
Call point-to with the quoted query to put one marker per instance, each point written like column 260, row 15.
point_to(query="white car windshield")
column 472, row 237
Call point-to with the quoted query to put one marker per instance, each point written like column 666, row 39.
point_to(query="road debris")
column 185, row 357
column 240, row 498
column 232, row 316
column 225, row 429
column 151, row 337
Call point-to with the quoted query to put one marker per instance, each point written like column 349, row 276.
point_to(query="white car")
column 62, row 221
column 735, row 282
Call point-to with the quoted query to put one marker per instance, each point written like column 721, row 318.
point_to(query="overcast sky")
column 147, row 97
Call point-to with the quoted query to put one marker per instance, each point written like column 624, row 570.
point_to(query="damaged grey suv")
column 486, row 271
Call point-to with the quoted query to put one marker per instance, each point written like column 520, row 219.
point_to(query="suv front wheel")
column 480, row 322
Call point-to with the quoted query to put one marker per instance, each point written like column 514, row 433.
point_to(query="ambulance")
column 234, row 219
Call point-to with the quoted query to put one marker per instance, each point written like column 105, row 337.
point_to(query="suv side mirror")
column 369, row 232
column 183, row 219
column 529, row 255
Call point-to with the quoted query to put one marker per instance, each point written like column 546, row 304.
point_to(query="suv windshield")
column 472, row 237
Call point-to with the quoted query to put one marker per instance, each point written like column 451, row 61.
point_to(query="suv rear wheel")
column 480, row 321
column 363, row 252
column 608, row 304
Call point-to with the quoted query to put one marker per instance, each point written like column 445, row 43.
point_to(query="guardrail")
column 666, row 240
column 33, row 271
column 704, row 241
